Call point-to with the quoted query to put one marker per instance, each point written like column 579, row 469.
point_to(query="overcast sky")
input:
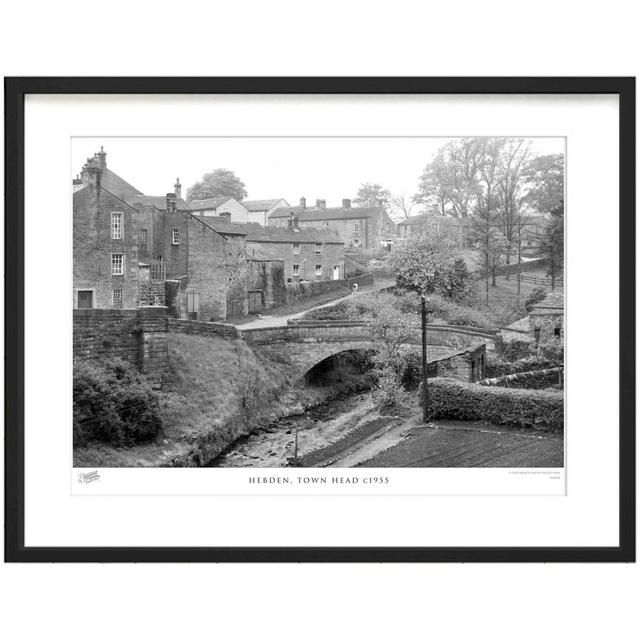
column 328, row 168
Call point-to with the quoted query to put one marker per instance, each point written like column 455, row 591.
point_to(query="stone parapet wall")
column 201, row 328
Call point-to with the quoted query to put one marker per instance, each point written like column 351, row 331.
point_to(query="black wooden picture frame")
column 15, row 91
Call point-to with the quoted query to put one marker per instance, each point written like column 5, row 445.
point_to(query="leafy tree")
column 450, row 181
column 372, row 195
column 217, row 184
column 512, row 158
column 551, row 245
column 433, row 188
column 402, row 206
column 545, row 175
column 388, row 328
column 423, row 263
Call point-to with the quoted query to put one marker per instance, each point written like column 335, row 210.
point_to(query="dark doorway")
column 85, row 299
column 255, row 301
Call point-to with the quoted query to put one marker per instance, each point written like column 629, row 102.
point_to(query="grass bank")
column 217, row 391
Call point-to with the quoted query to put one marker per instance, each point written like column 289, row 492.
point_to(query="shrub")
column 552, row 349
column 113, row 403
column 537, row 295
column 515, row 350
column 528, row 408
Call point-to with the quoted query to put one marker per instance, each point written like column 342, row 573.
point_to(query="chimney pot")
column 177, row 188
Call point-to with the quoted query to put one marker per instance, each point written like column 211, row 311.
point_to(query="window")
column 116, row 297
column 116, row 225
column 117, row 264
column 319, row 249
column 556, row 332
column 318, row 269
column 296, row 248
column 85, row 299
column 356, row 242
column 296, row 269
column 144, row 240
column 326, row 224
column 175, row 236
column 356, row 228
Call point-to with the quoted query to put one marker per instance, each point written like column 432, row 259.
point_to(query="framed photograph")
column 320, row 319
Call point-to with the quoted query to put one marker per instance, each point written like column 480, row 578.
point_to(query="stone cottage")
column 135, row 250
column 308, row 254
column 356, row 227
column 105, row 244
column 546, row 319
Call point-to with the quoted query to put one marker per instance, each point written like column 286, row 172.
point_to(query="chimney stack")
column 346, row 203
column 303, row 203
column 91, row 172
column 177, row 188
column 321, row 204
column 102, row 158
column 171, row 202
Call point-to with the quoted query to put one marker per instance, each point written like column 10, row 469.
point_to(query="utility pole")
column 425, row 387
column 519, row 260
column 425, row 384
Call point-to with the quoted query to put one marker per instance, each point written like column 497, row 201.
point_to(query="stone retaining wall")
column 138, row 336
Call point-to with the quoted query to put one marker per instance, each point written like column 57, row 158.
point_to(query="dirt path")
column 265, row 322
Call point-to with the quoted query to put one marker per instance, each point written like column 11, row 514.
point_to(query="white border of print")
column 55, row 517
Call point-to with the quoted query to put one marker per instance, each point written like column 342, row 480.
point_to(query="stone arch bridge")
column 309, row 343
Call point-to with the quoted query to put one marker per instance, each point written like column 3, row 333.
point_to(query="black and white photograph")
column 316, row 302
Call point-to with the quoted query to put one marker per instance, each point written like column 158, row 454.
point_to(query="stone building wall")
column 93, row 247
column 467, row 365
column 268, row 276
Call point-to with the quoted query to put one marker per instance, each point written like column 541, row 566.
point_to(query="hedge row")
column 497, row 368
column 527, row 408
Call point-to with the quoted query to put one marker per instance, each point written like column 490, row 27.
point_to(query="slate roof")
column 261, row 205
column 257, row 251
column 159, row 202
column 222, row 226
column 78, row 187
column 330, row 213
column 209, row 203
column 119, row 187
column 256, row 233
